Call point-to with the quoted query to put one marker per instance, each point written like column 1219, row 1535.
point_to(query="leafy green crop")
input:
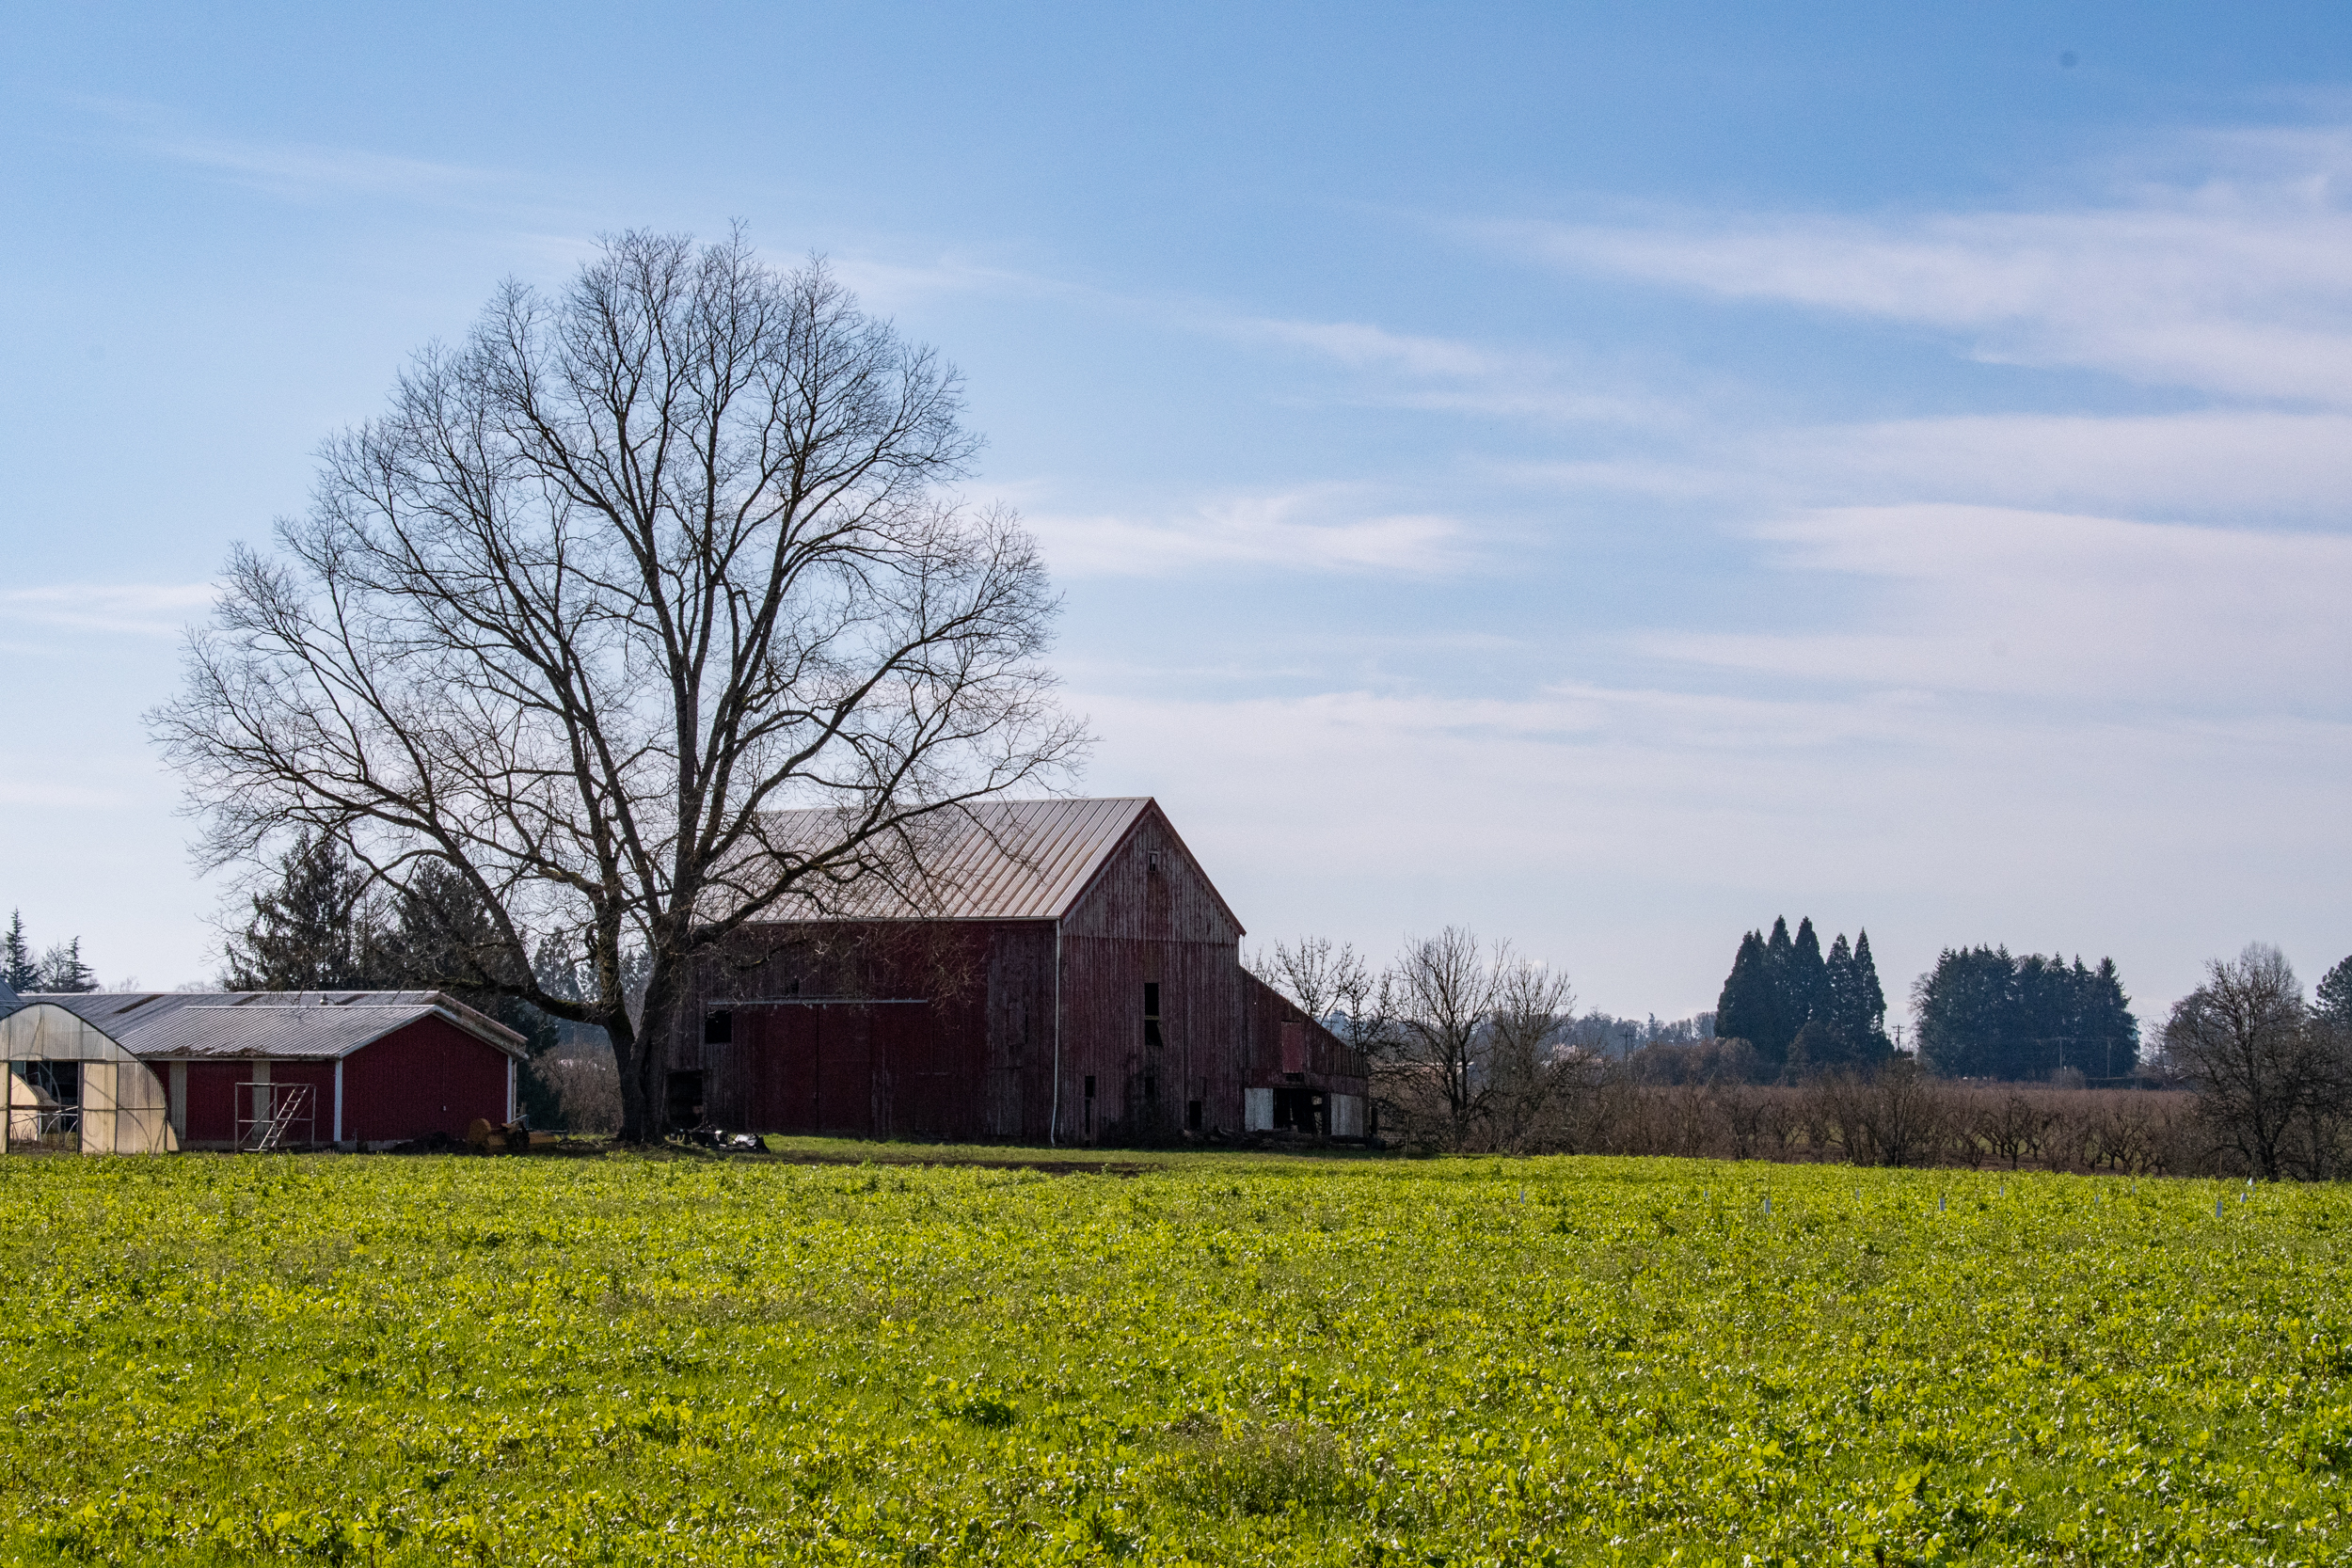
column 1216, row 1361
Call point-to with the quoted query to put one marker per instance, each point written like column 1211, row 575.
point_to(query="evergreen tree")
column 1963, row 1003
column 1749, row 1008
column 2331, row 999
column 1871, row 999
column 1802, row 1010
column 1834, row 1034
column 1806, row 993
column 316, row 931
column 1779, row 959
column 2107, row 1022
column 1847, row 1028
column 17, row 964
column 62, row 969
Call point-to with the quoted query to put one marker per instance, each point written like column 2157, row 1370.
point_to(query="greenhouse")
column 72, row 1090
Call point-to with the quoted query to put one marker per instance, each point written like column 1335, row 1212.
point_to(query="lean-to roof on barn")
column 320, row 1025
column 994, row 859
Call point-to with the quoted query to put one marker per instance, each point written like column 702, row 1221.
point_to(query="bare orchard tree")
column 2268, row 1076
column 636, row 565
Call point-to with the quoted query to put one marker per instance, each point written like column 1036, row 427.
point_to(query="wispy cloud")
column 1449, row 375
column 2224, row 465
column 2239, row 465
column 2059, row 610
column 1310, row 529
column 2231, row 283
column 292, row 169
column 145, row 609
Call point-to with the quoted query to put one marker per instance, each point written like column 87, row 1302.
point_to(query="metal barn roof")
column 995, row 859
column 322, row 1026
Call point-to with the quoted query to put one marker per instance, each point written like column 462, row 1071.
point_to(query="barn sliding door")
column 845, row 1072
column 781, row 1051
column 814, row 1069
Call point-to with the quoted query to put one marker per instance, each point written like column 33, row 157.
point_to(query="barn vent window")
column 718, row 1027
column 1152, row 1035
column 1192, row 1114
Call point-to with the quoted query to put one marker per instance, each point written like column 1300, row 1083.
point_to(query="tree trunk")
column 646, row 1121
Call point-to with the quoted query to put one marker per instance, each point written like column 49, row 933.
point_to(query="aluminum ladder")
column 283, row 1114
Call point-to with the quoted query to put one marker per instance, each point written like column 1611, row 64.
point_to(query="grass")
column 856, row 1151
column 1222, row 1359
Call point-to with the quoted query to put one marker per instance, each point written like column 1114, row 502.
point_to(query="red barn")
column 1069, row 975
column 242, row 1069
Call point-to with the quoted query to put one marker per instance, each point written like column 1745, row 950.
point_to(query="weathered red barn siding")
column 426, row 1077
column 867, row 1029
column 213, row 1099
column 1016, row 1097
column 1284, row 1041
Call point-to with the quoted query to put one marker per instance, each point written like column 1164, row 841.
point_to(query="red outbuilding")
column 1066, row 974
column 245, row 1069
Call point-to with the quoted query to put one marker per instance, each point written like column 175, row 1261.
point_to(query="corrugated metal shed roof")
column 997, row 859
column 320, row 1025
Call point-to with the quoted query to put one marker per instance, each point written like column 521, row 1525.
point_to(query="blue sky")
column 1602, row 476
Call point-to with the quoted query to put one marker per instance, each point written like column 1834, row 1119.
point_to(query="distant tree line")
column 1622, row 1036
column 1473, row 1047
column 59, row 969
column 1985, row 1014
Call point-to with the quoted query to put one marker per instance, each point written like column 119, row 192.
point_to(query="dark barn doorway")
column 1300, row 1110
column 686, row 1099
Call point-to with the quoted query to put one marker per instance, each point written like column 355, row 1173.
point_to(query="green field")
column 1218, row 1361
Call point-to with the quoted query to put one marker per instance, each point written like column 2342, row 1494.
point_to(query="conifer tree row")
column 1986, row 1014
column 1800, row 1011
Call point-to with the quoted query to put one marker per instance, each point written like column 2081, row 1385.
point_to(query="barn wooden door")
column 914, row 1076
column 785, row 1050
column 845, row 1070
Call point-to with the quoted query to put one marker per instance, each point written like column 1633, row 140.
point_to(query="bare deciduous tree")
column 1532, row 1073
column 1321, row 976
column 633, row 566
column 2270, row 1080
column 1438, row 998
